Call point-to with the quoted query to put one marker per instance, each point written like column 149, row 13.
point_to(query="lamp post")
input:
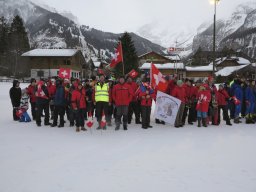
column 214, row 37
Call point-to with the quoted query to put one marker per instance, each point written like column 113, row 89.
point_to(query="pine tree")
column 4, row 28
column 129, row 56
column 18, row 44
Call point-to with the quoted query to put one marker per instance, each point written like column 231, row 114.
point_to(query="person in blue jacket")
column 238, row 94
column 250, row 102
column 59, row 104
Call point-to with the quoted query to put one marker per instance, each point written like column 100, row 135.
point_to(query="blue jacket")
column 238, row 92
column 249, row 95
column 59, row 98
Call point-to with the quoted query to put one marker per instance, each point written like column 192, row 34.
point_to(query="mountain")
column 49, row 29
column 238, row 32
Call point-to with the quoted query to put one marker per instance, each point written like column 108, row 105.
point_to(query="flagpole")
column 151, row 74
column 122, row 55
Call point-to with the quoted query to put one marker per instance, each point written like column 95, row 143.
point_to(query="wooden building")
column 153, row 57
column 231, row 62
column 45, row 63
column 198, row 72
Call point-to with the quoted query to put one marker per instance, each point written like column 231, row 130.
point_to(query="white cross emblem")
column 64, row 73
column 158, row 78
column 42, row 93
column 115, row 56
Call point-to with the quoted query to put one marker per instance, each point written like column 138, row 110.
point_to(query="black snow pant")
column 145, row 114
column 121, row 111
column 134, row 108
column 101, row 107
column 188, row 111
column 225, row 114
column 15, row 117
column 58, row 111
column 40, row 108
column 33, row 110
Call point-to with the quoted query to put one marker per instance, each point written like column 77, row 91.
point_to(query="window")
column 67, row 62
column 40, row 74
column 55, row 62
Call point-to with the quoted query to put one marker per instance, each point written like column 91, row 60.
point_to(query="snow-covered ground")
column 189, row 159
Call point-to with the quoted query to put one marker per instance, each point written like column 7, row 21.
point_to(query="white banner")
column 166, row 107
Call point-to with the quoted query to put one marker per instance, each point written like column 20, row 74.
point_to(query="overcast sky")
column 129, row 15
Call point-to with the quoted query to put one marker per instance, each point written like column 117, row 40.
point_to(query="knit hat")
column 179, row 82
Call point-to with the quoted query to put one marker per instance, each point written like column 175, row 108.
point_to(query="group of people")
column 107, row 98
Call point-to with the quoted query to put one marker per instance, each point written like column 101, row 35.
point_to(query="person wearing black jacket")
column 15, row 95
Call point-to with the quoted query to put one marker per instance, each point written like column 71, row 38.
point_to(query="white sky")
column 129, row 15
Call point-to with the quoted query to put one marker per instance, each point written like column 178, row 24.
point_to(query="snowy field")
column 189, row 159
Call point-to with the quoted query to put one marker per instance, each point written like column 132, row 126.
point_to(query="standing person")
column 122, row 95
column 110, row 106
column 32, row 97
column 223, row 97
column 250, row 102
column 89, row 101
column 78, row 102
column 189, row 106
column 133, row 106
column 180, row 93
column 59, row 104
column 238, row 98
column 102, row 99
column 15, row 95
column 202, row 107
column 213, row 107
column 42, row 103
column 146, row 95
column 51, row 87
column 71, row 114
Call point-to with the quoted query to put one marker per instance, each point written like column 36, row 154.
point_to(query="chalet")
column 45, row 63
column 153, row 57
column 167, row 68
column 231, row 62
column 242, row 71
column 198, row 72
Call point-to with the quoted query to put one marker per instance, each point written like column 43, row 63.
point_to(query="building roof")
column 200, row 68
column 97, row 63
column 239, row 60
column 229, row 70
column 164, row 66
column 173, row 57
column 154, row 53
column 50, row 53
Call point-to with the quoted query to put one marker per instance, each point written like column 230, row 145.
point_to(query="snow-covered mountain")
column 237, row 32
column 49, row 29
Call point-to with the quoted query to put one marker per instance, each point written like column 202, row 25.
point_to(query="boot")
column 53, row 125
column 204, row 120
column 77, row 129
column 117, row 128
column 236, row 120
column 61, row 125
column 158, row 121
column 99, row 127
column 83, row 129
column 125, row 127
column 199, row 121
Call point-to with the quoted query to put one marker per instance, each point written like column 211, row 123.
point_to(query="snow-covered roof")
column 164, row 66
column 199, row 68
column 50, row 53
column 229, row 70
column 173, row 57
column 240, row 60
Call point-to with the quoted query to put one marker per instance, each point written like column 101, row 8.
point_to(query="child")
column 22, row 111
column 203, row 100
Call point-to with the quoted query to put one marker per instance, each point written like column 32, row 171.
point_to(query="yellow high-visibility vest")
column 101, row 93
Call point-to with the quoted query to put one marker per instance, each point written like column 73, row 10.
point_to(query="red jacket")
column 78, row 99
column 191, row 93
column 171, row 86
column 179, row 93
column 31, row 93
column 204, row 98
column 51, row 90
column 146, row 98
column 122, row 94
column 222, row 97
column 134, row 88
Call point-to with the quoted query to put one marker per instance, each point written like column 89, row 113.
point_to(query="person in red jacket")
column 78, row 103
column 223, row 97
column 202, row 107
column 146, row 95
column 189, row 106
column 134, row 105
column 32, row 96
column 122, row 96
column 51, row 87
column 180, row 93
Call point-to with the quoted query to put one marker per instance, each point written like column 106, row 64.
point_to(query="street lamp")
column 214, row 35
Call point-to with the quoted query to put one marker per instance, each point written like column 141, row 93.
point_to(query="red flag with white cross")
column 157, row 79
column 133, row 73
column 118, row 57
column 64, row 73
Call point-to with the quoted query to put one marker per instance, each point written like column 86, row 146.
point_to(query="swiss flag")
column 157, row 79
column 89, row 122
column 133, row 73
column 40, row 92
column 64, row 73
column 118, row 57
